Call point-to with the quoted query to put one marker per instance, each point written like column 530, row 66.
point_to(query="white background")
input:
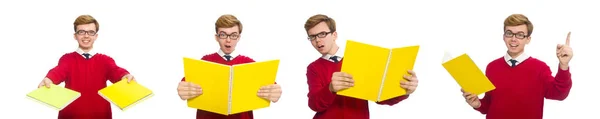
column 150, row 39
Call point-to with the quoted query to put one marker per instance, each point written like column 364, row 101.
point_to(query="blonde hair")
column 316, row 19
column 228, row 21
column 519, row 19
column 85, row 19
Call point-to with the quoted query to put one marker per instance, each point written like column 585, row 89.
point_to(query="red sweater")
column 201, row 114
column 329, row 105
column 520, row 91
column 86, row 77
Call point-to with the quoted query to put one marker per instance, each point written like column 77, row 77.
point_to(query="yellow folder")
column 124, row 95
column 377, row 71
column 56, row 97
column 229, row 89
column 466, row 73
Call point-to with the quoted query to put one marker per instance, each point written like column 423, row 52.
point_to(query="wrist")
column 563, row 66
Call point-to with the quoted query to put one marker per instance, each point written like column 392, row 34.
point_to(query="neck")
column 333, row 50
column 86, row 49
column 515, row 55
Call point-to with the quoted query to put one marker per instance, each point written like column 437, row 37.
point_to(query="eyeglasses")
column 320, row 35
column 232, row 36
column 83, row 32
column 518, row 35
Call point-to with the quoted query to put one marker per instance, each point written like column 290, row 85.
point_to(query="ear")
column 216, row 37
column 334, row 34
column 527, row 40
column 75, row 36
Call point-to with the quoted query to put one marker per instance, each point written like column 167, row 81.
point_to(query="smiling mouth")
column 85, row 41
column 321, row 46
column 513, row 45
column 227, row 46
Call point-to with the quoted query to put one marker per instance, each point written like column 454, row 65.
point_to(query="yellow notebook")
column 229, row 89
column 466, row 73
column 124, row 95
column 56, row 97
column 377, row 71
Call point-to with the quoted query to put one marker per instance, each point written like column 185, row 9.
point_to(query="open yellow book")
column 466, row 73
column 124, row 95
column 377, row 71
column 56, row 97
column 229, row 89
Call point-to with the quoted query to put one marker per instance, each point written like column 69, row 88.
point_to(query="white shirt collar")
column 91, row 52
column 519, row 58
column 232, row 54
column 339, row 53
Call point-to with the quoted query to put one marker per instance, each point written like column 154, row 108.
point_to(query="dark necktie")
column 334, row 58
column 87, row 55
column 228, row 57
column 514, row 62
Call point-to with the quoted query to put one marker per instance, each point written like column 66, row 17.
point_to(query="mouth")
column 320, row 46
column 85, row 41
column 513, row 45
column 227, row 46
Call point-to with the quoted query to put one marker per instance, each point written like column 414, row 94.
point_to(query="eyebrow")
column 227, row 33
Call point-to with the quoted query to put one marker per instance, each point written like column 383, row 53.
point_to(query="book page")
column 214, row 80
column 401, row 60
column 366, row 63
column 247, row 80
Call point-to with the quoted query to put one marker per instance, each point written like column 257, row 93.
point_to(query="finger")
column 404, row 86
column 129, row 79
column 348, row 84
column 47, row 84
column 568, row 39
column 348, row 80
column 559, row 46
column 413, row 73
column 402, row 82
column 407, row 77
column 461, row 90
column 344, row 74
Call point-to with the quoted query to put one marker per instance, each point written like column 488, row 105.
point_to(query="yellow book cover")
column 56, row 97
column 466, row 73
column 229, row 89
column 124, row 95
column 377, row 71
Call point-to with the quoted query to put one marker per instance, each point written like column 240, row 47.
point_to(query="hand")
column 45, row 82
column 564, row 53
column 471, row 99
column 340, row 81
column 270, row 92
column 187, row 90
column 411, row 84
column 129, row 78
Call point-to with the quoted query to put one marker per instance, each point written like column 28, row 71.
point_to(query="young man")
column 86, row 72
column 522, row 82
column 228, row 32
column 325, row 79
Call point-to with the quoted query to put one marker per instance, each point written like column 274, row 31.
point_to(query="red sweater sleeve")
column 485, row 102
column 115, row 73
column 319, row 95
column 393, row 101
column 557, row 88
column 59, row 73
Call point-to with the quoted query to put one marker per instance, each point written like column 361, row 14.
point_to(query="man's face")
column 515, row 38
column 322, row 39
column 86, row 35
column 228, row 38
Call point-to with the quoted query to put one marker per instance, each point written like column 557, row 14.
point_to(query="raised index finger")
column 568, row 39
